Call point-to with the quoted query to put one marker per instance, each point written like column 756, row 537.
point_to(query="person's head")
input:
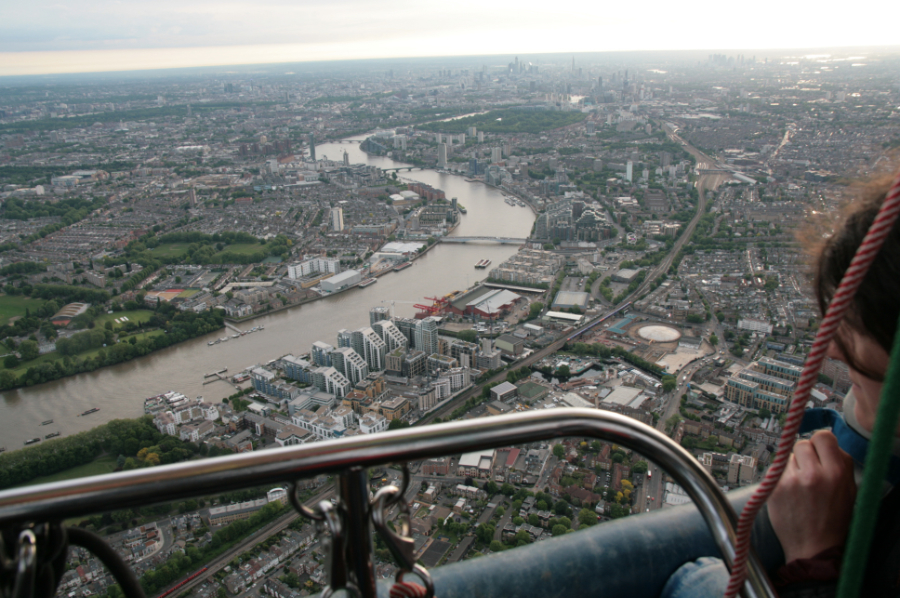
column 866, row 336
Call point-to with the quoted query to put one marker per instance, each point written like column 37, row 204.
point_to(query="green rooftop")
column 532, row 391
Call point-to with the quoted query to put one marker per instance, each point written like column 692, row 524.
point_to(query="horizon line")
column 75, row 62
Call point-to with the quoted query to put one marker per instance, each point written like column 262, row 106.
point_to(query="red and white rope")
column 407, row 589
column 854, row 275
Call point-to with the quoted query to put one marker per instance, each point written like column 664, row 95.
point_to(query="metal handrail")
column 167, row 483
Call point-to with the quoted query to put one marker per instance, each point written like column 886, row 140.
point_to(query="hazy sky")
column 51, row 36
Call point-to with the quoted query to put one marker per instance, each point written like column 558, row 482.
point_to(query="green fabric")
column 865, row 512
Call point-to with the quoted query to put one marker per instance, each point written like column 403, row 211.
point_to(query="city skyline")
column 74, row 37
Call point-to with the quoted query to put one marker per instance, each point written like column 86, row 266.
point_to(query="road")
column 654, row 487
column 252, row 540
column 706, row 182
column 504, row 520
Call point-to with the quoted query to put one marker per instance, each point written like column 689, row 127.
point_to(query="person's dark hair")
column 876, row 305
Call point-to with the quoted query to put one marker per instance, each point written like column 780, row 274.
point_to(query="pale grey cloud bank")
column 66, row 36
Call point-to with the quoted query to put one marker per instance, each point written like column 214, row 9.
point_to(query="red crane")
column 438, row 306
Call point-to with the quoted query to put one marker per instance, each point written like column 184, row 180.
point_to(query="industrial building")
column 484, row 302
column 340, row 281
column 625, row 275
column 570, row 299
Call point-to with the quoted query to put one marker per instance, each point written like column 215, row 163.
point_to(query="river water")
column 119, row 391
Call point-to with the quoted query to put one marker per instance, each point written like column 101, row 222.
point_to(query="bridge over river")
column 501, row 240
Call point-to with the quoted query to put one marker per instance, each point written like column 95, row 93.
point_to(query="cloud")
column 334, row 29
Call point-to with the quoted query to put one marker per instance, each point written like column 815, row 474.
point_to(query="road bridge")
column 406, row 168
column 501, row 240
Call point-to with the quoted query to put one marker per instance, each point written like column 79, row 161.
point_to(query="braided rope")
column 850, row 282
column 407, row 589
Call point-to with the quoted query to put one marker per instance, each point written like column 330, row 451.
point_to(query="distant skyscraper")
column 629, row 171
column 372, row 347
column 350, row 364
column 379, row 313
column 321, row 353
column 344, row 338
column 337, row 218
column 346, row 159
column 665, row 158
column 312, row 147
column 391, row 335
column 442, row 155
column 408, row 327
column 427, row 335
column 328, row 379
column 496, row 155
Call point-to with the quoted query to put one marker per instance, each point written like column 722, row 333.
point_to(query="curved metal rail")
column 197, row 478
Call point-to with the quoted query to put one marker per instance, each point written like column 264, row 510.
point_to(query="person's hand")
column 812, row 505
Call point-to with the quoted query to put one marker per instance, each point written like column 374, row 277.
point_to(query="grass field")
column 170, row 250
column 188, row 293
column 100, row 465
column 179, row 250
column 244, row 248
column 137, row 316
column 143, row 335
column 54, row 356
column 20, row 369
column 15, row 305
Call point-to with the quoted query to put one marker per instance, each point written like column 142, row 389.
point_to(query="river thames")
column 119, row 391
